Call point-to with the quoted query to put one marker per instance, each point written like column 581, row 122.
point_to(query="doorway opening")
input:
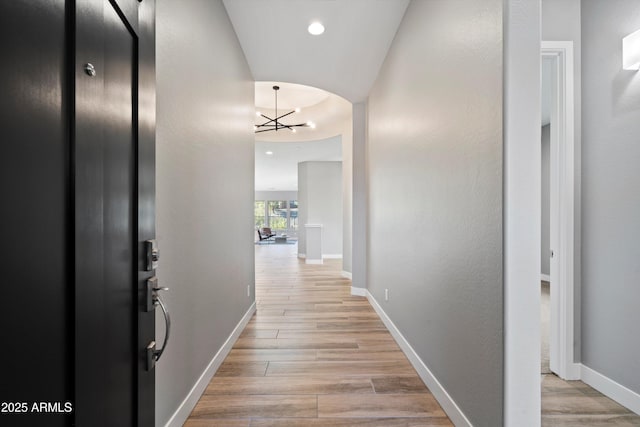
column 557, row 211
column 302, row 172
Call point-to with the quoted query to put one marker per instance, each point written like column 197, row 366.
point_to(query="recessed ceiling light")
column 269, row 153
column 316, row 28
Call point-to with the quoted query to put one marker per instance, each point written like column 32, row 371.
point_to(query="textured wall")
column 610, row 193
column 435, row 196
column 205, row 188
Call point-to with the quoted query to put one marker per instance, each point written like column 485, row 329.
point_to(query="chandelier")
column 274, row 124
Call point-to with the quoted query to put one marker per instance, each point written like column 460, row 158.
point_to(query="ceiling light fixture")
column 275, row 123
column 316, row 28
column 269, row 153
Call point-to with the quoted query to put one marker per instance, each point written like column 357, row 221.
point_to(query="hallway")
column 313, row 355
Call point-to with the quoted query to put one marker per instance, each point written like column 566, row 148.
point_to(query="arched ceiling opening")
column 329, row 113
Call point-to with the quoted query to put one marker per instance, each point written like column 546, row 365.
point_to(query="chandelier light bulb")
column 311, row 125
column 293, row 130
column 258, row 113
column 297, row 110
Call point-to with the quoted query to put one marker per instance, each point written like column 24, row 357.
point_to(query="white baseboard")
column 360, row 292
column 332, row 256
column 182, row 413
column 346, row 274
column 448, row 404
column 616, row 391
column 545, row 277
column 313, row 261
column 574, row 372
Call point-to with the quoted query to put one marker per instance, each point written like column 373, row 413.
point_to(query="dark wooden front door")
column 77, row 156
column 112, row 385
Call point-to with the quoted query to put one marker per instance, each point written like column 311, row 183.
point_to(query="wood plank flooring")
column 313, row 355
column 575, row 404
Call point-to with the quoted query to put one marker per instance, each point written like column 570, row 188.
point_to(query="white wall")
column 545, row 230
column 347, row 196
column 205, row 161
column 320, row 202
column 435, row 196
column 276, row 195
column 360, row 215
column 610, row 194
column 522, row 120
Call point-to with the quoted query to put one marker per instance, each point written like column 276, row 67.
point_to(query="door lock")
column 153, row 254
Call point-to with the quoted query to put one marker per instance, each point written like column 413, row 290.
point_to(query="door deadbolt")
column 153, row 254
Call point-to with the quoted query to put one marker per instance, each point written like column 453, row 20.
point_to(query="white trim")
column 346, row 274
column 437, row 390
column 616, row 391
column 563, row 207
column 545, row 277
column 332, row 256
column 313, row 261
column 359, row 292
column 302, row 256
column 181, row 414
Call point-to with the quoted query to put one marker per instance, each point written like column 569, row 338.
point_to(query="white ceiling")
column 280, row 170
column 344, row 60
column 290, row 96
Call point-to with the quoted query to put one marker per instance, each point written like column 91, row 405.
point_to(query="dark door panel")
column 77, row 181
column 35, row 299
column 109, row 391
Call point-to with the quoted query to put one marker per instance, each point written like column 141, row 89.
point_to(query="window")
column 293, row 215
column 259, row 214
column 279, row 215
column 277, row 212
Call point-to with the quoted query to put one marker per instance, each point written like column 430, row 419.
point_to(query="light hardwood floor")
column 574, row 403
column 313, row 355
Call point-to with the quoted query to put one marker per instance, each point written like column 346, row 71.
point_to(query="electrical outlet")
column 386, row 294
column 248, row 290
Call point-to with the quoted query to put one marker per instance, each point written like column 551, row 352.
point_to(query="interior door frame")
column 83, row 45
column 562, row 218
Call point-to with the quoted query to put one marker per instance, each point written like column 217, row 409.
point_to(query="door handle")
column 157, row 354
column 154, row 300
